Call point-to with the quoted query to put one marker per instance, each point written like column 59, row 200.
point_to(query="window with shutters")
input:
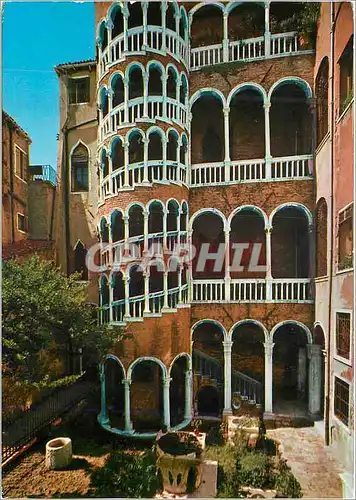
column 343, row 322
column 345, row 237
column 342, row 400
column 79, row 168
column 21, row 163
column 79, row 90
column 346, row 76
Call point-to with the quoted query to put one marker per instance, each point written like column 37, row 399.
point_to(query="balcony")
column 253, row 49
column 236, row 172
column 256, row 290
column 44, row 173
column 141, row 40
column 143, row 109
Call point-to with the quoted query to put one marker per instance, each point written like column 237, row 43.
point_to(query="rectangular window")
column 79, row 90
column 341, row 400
column 22, row 223
column 21, row 163
column 346, row 76
column 345, row 237
column 343, row 335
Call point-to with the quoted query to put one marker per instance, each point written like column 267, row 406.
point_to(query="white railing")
column 246, row 50
column 206, row 56
column 168, row 43
column 248, row 290
column 257, row 290
column 157, row 171
column 292, row 167
column 208, row 290
column 216, row 173
column 291, row 290
column 157, row 108
column 284, row 43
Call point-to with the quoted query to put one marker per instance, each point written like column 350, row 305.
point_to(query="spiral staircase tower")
column 143, row 144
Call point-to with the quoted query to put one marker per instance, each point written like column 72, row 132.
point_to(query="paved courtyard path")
column 310, row 460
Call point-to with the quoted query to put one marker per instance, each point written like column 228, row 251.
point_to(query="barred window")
column 79, row 167
column 341, row 400
column 343, row 335
column 345, row 236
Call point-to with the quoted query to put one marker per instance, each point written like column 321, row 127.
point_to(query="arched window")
column 104, row 161
column 104, row 102
column 135, row 148
column 135, row 83
column 103, row 36
column 172, row 84
column 118, row 21
column 155, row 147
column 117, row 155
column 154, row 15
column 118, row 88
column 183, row 150
column 154, row 81
column 170, row 18
column 321, row 218
column 322, row 90
column 79, row 168
column 172, row 215
column 183, row 91
column 136, row 15
column 79, row 260
column 117, row 226
column 172, row 147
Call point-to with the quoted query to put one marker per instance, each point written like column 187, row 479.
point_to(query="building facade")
column 221, row 196
column 28, row 195
column 334, row 207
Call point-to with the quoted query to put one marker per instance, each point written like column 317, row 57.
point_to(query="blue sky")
column 36, row 37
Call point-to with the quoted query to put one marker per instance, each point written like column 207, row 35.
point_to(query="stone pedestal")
column 315, row 379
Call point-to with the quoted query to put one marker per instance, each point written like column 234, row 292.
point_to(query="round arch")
column 207, row 91
column 132, row 205
column 146, row 358
column 253, row 208
column 155, row 64
column 133, row 65
column 181, row 355
column 114, row 141
column 232, row 5
column 133, row 132
column 246, row 86
column 155, row 129
column 251, row 321
column 203, row 211
column 297, row 206
column 151, row 202
column 291, row 80
column 200, row 5
column 207, row 320
column 114, row 358
column 295, row 323
column 117, row 6
column 112, row 80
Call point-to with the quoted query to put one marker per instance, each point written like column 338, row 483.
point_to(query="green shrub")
column 126, row 476
column 254, row 469
column 179, row 443
column 286, row 484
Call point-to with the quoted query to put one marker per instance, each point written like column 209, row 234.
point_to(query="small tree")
column 46, row 319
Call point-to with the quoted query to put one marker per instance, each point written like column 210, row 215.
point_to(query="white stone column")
column 227, row 160
column 268, row 231
column 109, row 27
column 147, row 291
column 302, row 371
column 180, row 283
column 126, row 100
column 145, row 161
column 165, row 290
column 227, row 377
column 314, row 379
column 164, row 94
column 268, row 377
column 225, row 41
column 188, row 395
column 267, row 31
column 227, row 265
column 166, row 408
column 268, row 157
column 145, row 231
column 126, row 234
column 128, row 423
column 144, row 17
column 190, row 266
column 145, row 95
column 126, row 27
column 126, row 280
column 163, row 12
column 126, row 164
column 164, row 150
column 111, row 298
column 103, row 406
